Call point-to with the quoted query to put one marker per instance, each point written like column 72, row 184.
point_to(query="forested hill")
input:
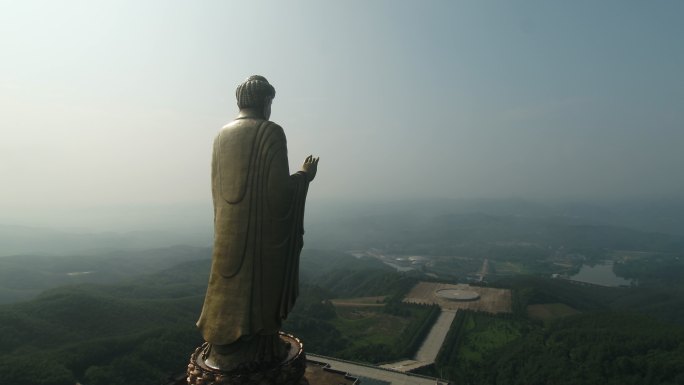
column 477, row 234
column 604, row 347
column 563, row 333
column 141, row 329
column 16, row 239
column 24, row 276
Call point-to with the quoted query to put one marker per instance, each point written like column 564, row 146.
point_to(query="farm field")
column 550, row 311
column 377, row 301
column 507, row 267
column 362, row 324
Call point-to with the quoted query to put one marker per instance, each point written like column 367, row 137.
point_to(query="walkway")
column 433, row 342
column 427, row 353
column 376, row 373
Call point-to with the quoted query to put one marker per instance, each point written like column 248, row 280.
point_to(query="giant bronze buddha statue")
column 258, row 229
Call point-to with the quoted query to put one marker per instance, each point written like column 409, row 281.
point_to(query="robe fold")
column 258, row 233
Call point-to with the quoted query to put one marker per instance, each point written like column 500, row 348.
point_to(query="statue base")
column 288, row 372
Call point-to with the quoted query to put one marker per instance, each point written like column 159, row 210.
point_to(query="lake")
column 600, row 274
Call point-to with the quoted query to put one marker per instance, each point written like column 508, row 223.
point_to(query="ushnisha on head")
column 256, row 94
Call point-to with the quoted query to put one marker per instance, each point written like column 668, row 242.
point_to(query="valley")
column 430, row 302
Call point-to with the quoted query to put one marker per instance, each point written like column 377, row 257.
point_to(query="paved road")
column 485, row 269
column 427, row 353
column 374, row 372
column 433, row 342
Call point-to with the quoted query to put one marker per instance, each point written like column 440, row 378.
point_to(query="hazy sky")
column 116, row 103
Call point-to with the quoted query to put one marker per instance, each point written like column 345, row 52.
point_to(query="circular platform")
column 457, row 295
column 288, row 372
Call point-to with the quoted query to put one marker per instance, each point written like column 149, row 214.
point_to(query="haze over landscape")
column 109, row 109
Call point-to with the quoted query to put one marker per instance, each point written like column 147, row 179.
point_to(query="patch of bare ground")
column 359, row 302
column 550, row 311
column 491, row 300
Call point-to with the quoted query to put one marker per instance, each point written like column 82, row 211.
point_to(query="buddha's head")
column 255, row 93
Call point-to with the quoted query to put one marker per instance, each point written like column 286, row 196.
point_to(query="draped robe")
column 258, row 229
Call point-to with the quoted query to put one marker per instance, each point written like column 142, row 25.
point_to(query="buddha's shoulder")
column 249, row 124
column 245, row 131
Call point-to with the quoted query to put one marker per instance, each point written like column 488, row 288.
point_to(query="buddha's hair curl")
column 254, row 92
